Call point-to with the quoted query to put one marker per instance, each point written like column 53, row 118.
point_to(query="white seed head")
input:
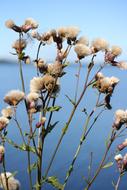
column 7, row 112
column 122, row 65
column 82, row 50
column 116, row 50
column 36, row 84
column 99, row 76
column 9, row 24
column 19, row 45
column 14, row 97
column 72, row 32
column 100, row 44
column 32, row 96
column 3, row 122
column 31, row 22
column 83, row 40
column 13, row 184
column 120, row 116
column 114, row 80
column 118, row 157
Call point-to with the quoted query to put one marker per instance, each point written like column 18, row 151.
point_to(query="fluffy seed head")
column 9, row 24
column 49, row 82
column 13, row 184
column 55, row 69
column 122, row 65
column 116, row 50
column 31, row 22
column 32, row 96
column 118, row 157
column 83, row 40
column 14, row 97
column 62, row 32
column 82, row 50
column 36, row 84
column 7, row 112
column 72, row 32
column 120, row 116
column 19, row 45
column 3, row 122
column 100, row 44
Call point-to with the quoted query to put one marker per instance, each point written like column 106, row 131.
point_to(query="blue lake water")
column 16, row 161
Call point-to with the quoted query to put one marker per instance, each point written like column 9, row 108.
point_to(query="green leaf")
column 109, row 164
column 72, row 101
column 53, row 180
column 32, row 167
column 53, row 108
column 51, row 127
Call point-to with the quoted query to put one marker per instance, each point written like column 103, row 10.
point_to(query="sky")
column 95, row 18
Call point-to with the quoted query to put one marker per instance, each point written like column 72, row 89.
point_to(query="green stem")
column 68, row 123
column 102, row 161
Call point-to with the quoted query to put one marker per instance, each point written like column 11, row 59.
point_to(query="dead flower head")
column 19, row 45
column 49, row 82
column 99, row 44
column 13, row 184
column 7, row 112
column 82, row 50
column 36, row 84
column 3, row 122
column 14, row 97
column 120, row 119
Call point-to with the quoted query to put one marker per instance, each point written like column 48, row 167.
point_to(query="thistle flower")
column 47, row 37
column 9, row 24
column 49, row 82
column 13, row 184
column 32, row 96
column 7, row 112
column 2, row 151
column 72, row 32
column 62, row 32
column 3, row 122
column 99, row 44
column 14, row 97
column 19, row 45
column 116, row 50
column 55, row 69
column 83, row 40
column 99, row 76
column 122, row 145
column 36, row 84
column 36, row 35
column 122, row 65
column 29, row 24
column 120, row 119
column 82, row 51
column 118, row 157
column 41, row 65
column 105, row 84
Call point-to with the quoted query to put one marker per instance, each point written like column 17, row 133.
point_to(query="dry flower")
column 72, row 32
column 122, row 145
column 13, row 184
column 120, row 119
column 118, row 157
column 55, row 69
column 83, row 40
column 49, row 82
column 116, row 50
column 19, row 45
column 36, row 84
column 122, row 65
column 7, row 112
column 32, row 96
column 99, row 44
column 3, row 122
column 42, row 66
column 14, row 97
column 82, row 51
column 9, row 24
